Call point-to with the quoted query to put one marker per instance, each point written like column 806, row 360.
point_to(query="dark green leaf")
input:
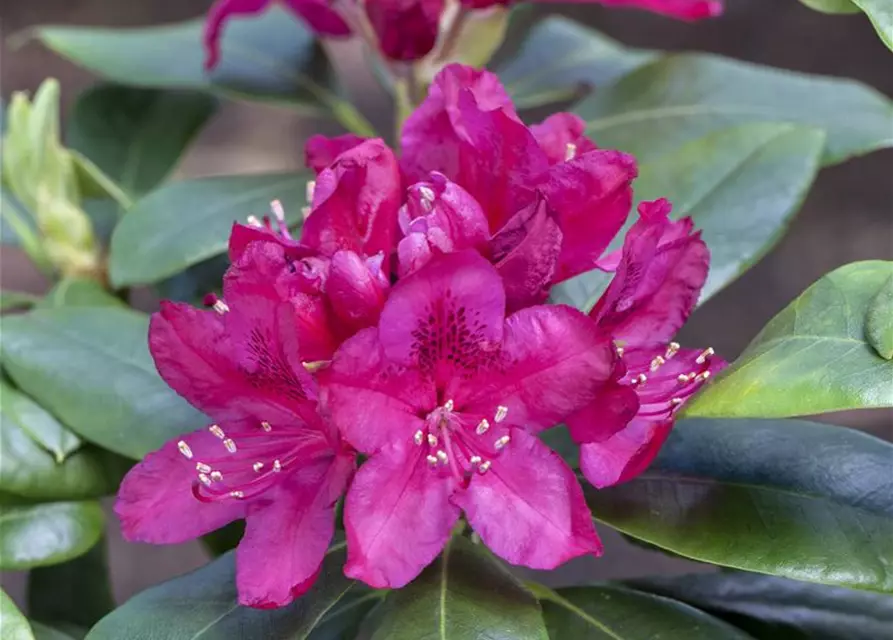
column 835, row 463
column 812, row 357
column 78, row 292
column 94, row 183
column 464, row 594
column 656, row 108
column 76, row 592
column 774, row 608
column 13, row 624
column 184, row 223
column 742, row 186
column 91, row 367
column 614, row 613
column 21, row 413
column 46, row 632
column 202, row 606
column 45, row 534
column 136, row 136
column 560, row 58
column 16, row 300
column 879, row 321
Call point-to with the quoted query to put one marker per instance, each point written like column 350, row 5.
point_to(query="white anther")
column 640, row 379
column 254, row 222
column 308, row 192
column 483, row 468
column 431, row 460
column 672, row 349
column 217, row 431
column 216, row 476
column 499, row 444
column 448, row 405
column 184, row 449
column 570, row 151
column 230, row 445
column 419, row 437
column 257, row 466
column 266, row 426
column 432, row 440
column 236, row 494
column 683, row 378
column 501, row 413
column 278, row 211
column 427, row 197
column 706, row 353
column 657, row 362
column 220, row 307
column 442, row 456
column 201, row 467
column 675, row 402
column 277, row 466
column 475, row 460
column 619, row 352
column 482, row 427
column 204, row 479
column 702, row 376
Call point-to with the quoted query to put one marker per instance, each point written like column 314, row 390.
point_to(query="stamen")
column 675, row 402
column 217, row 431
column 442, row 456
column 237, row 494
column 254, row 222
column 184, row 449
column 216, row 476
column 257, row 466
column 570, row 151
column 310, row 189
column 313, row 367
column 266, row 426
column 482, row 427
column 672, row 349
column 204, row 479
column 683, row 378
column 202, row 467
column 277, row 466
column 706, row 353
column 483, row 468
column 278, row 211
column 432, row 440
column 619, row 352
column 501, row 413
column 657, row 362
column 431, row 460
column 427, row 196
column 419, row 437
column 640, row 379
column 475, row 460
column 220, row 307
column 230, row 445
column 504, row 440
column 448, row 405
column 702, row 376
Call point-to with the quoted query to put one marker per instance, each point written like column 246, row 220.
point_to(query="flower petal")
column 355, row 203
column 398, row 517
column 562, row 135
column 356, row 289
column 591, row 196
column 287, row 534
column 321, row 152
column 373, row 402
column 624, row 455
column 610, row 412
column 658, row 279
column 406, row 30
column 156, row 502
column 528, row 508
column 445, row 319
column 320, row 16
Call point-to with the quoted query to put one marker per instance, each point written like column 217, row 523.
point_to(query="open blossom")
column 268, row 458
column 446, row 397
column 658, row 277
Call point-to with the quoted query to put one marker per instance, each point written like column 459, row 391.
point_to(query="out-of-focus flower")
column 446, row 396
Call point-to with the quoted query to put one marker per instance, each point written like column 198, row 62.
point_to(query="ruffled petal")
column 591, row 196
column 356, row 289
column 398, row 517
column 156, row 502
column 528, row 508
column 406, row 30
column 611, row 411
column 659, row 277
column 287, row 534
column 624, row 455
column 372, row 401
column 446, row 319
column 321, row 152
column 355, row 203
column 218, row 15
column 561, row 137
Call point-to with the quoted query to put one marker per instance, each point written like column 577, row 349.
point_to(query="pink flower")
column 268, row 458
column 446, row 396
column 682, row 9
column 406, row 29
column 317, row 13
column 659, row 274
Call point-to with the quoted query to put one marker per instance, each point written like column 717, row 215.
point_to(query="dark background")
column 848, row 215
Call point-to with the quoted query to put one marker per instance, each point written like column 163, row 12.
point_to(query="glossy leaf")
column 464, row 594
column 832, row 6
column 771, row 608
column 681, row 97
column 879, row 321
column 79, row 292
column 184, row 223
column 94, row 183
column 10, row 300
column 34, row 421
column 560, row 58
column 813, row 357
column 77, row 592
column 45, row 534
column 13, row 624
column 136, row 136
column 202, row 606
column 606, row 612
column 742, row 186
column 91, row 367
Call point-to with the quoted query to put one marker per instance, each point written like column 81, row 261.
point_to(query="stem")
column 451, row 37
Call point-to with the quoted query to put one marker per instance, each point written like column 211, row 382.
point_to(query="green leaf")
column 79, row 292
column 136, row 136
column 17, row 300
column 811, row 358
column 682, row 97
column 34, row 421
column 742, row 187
column 880, row 12
column 202, row 606
column 613, row 613
column 76, row 592
column 464, row 594
column 772, row 608
column 17, row 228
column 13, row 624
column 94, row 183
column 45, row 534
column 832, row 6
column 879, row 321
column 184, row 223
column 560, row 58
column 91, row 367
column 46, row 632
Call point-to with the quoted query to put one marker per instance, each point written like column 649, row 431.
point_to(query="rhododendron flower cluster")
column 408, row 324
column 406, row 31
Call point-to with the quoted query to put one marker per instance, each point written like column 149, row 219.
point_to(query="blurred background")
column 848, row 215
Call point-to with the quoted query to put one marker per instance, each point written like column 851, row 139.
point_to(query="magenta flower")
column 446, row 397
column 406, row 29
column 268, row 457
column 659, row 274
column 682, row 9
